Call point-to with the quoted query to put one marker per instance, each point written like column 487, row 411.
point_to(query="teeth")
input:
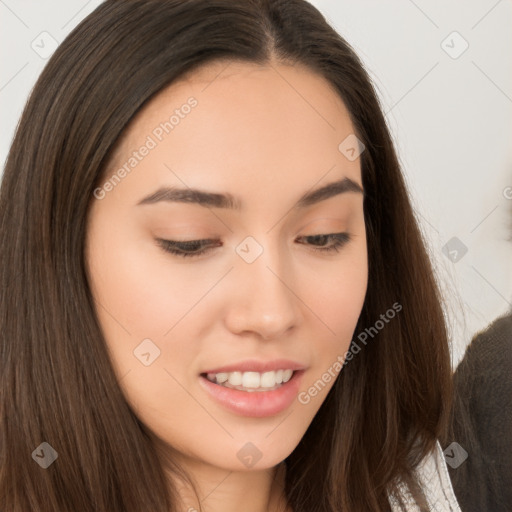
column 252, row 381
column 287, row 375
column 235, row 378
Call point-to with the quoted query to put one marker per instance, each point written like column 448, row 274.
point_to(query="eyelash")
column 176, row 248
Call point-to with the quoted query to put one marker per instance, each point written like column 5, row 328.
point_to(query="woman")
column 215, row 295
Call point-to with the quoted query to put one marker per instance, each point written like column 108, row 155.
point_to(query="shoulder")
column 482, row 417
column 435, row 482
column 492, row 346
column 483, row 385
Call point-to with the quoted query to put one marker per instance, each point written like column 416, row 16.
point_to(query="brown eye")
column 188, row 248
column 319, row 241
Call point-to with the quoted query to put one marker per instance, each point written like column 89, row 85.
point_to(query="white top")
column 435, row 483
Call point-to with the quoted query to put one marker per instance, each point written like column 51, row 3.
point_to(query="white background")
column 451, row 119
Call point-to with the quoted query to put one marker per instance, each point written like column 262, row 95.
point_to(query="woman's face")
column 266, row 294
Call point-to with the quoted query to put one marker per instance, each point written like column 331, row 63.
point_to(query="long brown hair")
column 386, row 409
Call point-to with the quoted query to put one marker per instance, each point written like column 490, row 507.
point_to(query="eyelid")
column 173, row 246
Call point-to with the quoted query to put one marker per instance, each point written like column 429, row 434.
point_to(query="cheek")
column 347, row 294
column 337, row 298
column 133, row 283
column 138, row 303
column 138, row 298
column 337, row 294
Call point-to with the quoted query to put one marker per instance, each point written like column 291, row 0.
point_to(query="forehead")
column 250, row 125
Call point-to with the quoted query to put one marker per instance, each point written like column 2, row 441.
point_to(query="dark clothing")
column 482, row 421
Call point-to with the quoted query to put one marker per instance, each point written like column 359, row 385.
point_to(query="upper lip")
column 253, row 365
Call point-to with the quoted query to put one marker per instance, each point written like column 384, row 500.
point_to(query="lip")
column 254, row 404
column 253, row 365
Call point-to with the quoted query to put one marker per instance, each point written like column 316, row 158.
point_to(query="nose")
column 264, row 298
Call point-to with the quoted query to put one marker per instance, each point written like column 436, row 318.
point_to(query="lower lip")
column 255, row 404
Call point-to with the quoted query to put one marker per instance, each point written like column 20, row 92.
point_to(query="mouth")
column 251, row 381
column 252, row 394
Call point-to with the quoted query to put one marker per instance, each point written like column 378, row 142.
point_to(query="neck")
column 229, row 491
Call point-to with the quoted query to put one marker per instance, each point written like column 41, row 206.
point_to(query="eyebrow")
column 216, row 200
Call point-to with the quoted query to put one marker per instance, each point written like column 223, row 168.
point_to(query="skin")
column 266, row 134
